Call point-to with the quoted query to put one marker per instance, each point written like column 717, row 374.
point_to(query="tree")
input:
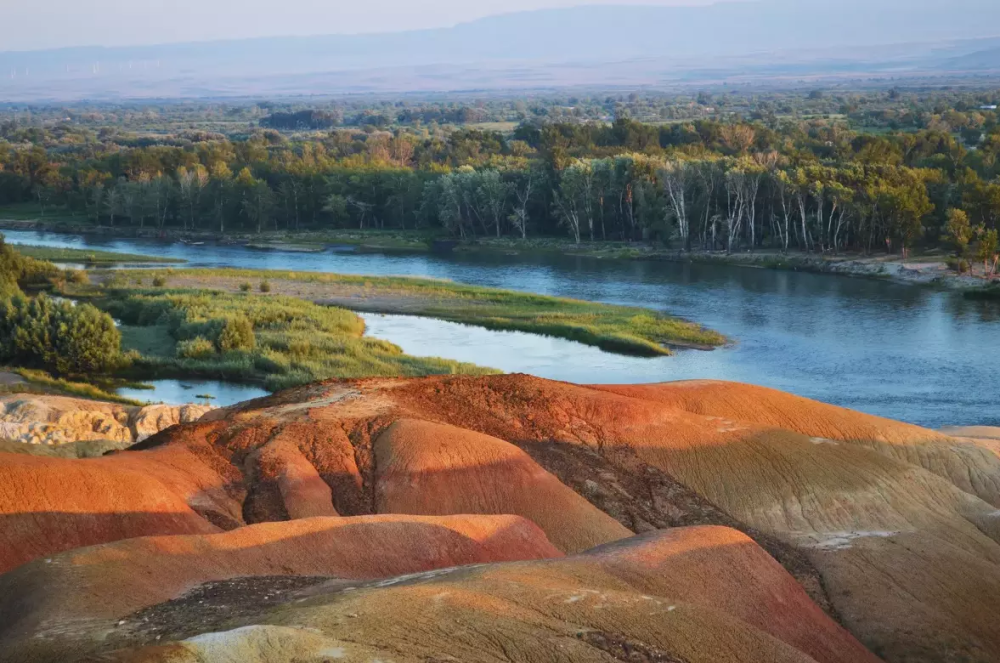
column 522, row 189
column 988, row 245
column 738, row 137
column 191, row 185
column 493, row 194
column 959, row 231
column 676, row 177
column 97, row 194
column 573, row 197
column 113, row 203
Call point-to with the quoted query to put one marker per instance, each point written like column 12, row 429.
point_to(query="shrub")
column 960, row 265
column 159, row 281
column 77, row 276
column 86, row 341
column 74, row 340
column 265, row 286
column 197, row 348
column 237, row 334
column 299, row 348
column 245, row 287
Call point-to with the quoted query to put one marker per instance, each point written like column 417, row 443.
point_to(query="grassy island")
column 619, row 329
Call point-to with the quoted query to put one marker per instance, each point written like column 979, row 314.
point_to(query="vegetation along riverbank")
column 91, row 257
column 281, row 328
column 620, row 329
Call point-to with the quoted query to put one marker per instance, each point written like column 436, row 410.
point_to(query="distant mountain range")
column 634, row 45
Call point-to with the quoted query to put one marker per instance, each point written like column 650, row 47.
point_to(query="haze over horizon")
column 52, row 24
column 514, row 45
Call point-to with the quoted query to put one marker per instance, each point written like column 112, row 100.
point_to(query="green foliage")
column 246, row 287
column 159, row 281
column 236, row 335
column 17, row 271
column 265, row 286
column 89, row 256
column 77, row 276
column 41, row 382
column 841, row 170
column 71, row 340
column 988, row 246
column 195, row 348
column 960, row 265
column 622, row 329
column 959, row 230
column 293, row 341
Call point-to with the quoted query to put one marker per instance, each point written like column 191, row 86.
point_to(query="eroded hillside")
column 889, row 530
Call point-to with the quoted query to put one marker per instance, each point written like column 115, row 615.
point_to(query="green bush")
column 197, row 348
column 265, row 286
column 77, row 276
column 71, row 340
column 245, row 287
column 237, row 334
column 159, row 281
column 86, row 341
column 960, row 265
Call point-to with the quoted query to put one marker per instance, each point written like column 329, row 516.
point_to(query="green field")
column 89, row 256
column 619, row 329
column 182, row 333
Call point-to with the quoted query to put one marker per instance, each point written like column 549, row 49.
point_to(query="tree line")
column 704, row 185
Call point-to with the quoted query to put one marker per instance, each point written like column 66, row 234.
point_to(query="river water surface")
column 906, row 352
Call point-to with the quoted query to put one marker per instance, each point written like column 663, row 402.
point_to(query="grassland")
column 187, row 333
column 40, row 382
column 90, row 256
column 619, row 329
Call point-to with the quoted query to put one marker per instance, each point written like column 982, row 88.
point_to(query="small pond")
column 179, row 392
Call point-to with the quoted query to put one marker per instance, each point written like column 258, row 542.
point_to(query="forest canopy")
column 875, row 171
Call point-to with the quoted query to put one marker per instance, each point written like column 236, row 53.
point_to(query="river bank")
column 864, row 343
column 924, row 270
column 623, row 330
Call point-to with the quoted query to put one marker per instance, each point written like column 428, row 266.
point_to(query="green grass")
column 42, row 382
column 88, row 256
column 619, row 329
column 148, row 341
column 34, row 212
column 296, row 341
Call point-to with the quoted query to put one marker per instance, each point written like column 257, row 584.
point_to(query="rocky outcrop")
column 890, row 529
column 55, row 420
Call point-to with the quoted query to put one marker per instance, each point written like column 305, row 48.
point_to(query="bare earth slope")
column 890, row 529
column 57, row 606
column 667, row 596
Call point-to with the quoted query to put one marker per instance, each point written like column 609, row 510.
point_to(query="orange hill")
column 667, row 596
column 891, row 529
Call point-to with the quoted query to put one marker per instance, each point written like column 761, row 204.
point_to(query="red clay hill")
column 702, row 521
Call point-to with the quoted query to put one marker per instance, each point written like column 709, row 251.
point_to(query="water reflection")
column 909, row 353
column 206, row 392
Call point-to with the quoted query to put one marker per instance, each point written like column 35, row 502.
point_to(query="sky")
column 43, row 24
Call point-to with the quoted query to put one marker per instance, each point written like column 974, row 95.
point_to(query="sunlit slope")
column 891, row 528
column 438, row 469
column 971, row 464
column 72, row 599
column 665, row 597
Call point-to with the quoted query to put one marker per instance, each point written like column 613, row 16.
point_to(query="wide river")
column 910, row 353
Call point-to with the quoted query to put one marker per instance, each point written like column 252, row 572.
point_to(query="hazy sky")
column 36, row 24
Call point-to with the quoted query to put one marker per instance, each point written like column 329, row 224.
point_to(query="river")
column 910, row 353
